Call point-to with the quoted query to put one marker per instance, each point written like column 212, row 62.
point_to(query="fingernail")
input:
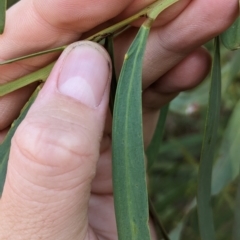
column 84, row 74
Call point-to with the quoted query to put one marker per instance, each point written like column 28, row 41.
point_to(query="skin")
column 65, row 191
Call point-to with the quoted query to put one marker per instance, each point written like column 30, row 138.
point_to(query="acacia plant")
column 129, row 168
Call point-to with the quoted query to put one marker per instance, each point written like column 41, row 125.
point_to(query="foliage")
column 174, row 203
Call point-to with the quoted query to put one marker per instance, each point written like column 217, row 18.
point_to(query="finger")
column 55, row 150
column 46, row 24
column 170, row 44
column 50, row 23
column 166, row 16
column 186, row 75
column 197, row 24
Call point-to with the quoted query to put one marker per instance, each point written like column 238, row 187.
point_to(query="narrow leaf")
column 3, row 6
column 231, row 37
column 227, row 166
column 5, row 146
column 205, row 217
column 236, row 228
column 110, row 49
column 129, row 172
column 11, row 2
column 153, row 148
column 40, row 75
column 129, row 178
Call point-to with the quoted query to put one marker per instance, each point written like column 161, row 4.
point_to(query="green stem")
column 40, row 75
column 150, row 12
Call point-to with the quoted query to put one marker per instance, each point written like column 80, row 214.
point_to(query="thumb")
column 55, row 150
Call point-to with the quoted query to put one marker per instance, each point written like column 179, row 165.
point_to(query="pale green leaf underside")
column 129, row 175
column 129, row 171
column 231, row 37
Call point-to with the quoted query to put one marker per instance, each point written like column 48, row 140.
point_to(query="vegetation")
column 194, row 189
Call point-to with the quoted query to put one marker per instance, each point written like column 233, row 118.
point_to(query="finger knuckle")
column 55, row 145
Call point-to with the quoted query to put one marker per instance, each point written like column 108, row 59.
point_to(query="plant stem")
column 149, row 12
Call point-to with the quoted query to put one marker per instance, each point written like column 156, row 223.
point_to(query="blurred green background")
column 173, row 178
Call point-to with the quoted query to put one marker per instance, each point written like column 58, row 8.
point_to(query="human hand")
column 46, row 193
column 54, row 23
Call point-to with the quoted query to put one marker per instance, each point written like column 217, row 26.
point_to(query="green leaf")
column 153, row 148
column 231, row 37
column 236, row 228
column 227, row 166
column 129, row 174
column 109, row 47
column 11, row 2
column 3, row 6
column 206, row 224
column 5, row 146
column 40, row 75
